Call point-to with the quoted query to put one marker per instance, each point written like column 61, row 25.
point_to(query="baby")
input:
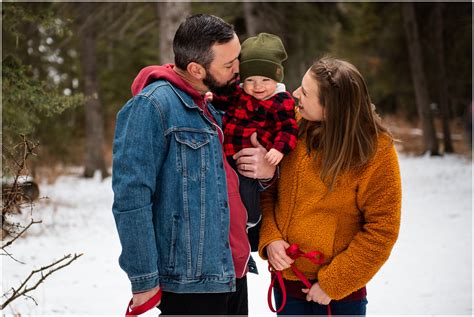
column 259, row 104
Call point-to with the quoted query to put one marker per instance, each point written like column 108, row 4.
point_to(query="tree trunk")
column 430, row 142
column 94, row 156
column 251, row 18
column 170, row 15
column 442, row 84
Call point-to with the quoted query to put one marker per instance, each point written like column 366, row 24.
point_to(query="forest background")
column 67, row 67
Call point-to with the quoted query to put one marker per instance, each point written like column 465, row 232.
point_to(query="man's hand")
column 276, row 252
column 316, row 294
column 140, row 298
column 251, row 162
column 274, row 156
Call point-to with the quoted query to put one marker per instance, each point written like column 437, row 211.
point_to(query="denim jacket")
column 170, row 195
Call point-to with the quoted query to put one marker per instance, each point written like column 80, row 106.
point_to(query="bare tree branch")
column 119, row 21
column 85, row 9
column 12, row 198
column 128, row 22
column 22, row 290
column 14, row 195
column 11, row 256
column 31, row 297
column 144, row 29
column 32, row 222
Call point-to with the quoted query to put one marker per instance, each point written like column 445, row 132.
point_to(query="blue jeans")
column 296, row 306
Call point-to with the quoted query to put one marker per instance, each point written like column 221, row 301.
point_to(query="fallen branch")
column 23, row 289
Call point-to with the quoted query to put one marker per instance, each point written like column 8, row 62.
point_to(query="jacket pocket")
column 192, row 153
column 174, row 234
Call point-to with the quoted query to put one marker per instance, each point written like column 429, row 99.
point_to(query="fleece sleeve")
column 269, row 231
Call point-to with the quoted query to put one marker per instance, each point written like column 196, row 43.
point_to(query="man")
column 180, row 219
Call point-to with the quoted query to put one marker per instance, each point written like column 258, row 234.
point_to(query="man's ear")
column 196, row 70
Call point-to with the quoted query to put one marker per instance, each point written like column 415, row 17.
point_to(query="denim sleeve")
column 137, row 156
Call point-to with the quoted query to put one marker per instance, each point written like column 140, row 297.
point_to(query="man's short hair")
column 196, row 36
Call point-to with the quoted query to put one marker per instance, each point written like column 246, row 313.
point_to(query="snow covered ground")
column 428, row 273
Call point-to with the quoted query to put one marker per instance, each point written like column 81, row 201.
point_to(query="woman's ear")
column 196, row 70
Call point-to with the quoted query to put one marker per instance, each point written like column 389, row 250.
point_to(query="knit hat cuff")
column 261, row 67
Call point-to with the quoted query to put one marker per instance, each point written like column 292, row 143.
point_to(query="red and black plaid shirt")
column 273, row 119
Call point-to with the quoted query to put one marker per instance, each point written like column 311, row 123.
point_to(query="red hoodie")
column 238, row 215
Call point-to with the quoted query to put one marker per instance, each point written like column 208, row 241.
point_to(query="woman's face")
column 308, row 99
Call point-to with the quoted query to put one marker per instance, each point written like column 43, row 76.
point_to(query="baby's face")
column 259, row 87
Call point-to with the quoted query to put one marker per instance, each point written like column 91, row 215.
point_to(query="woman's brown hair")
column 347, row 137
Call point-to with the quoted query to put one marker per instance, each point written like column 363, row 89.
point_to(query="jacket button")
column 226, row 204
column 227, row 245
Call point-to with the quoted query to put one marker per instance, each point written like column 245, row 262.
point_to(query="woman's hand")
column 251, row 162
column 316, row 294
column 141, row 298
column 276, row 252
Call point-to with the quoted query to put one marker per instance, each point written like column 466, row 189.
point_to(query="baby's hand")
column 208, row 96
column 274, row 156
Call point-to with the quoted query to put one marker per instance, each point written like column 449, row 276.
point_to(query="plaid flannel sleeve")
column 222, row 102
column 285, row 140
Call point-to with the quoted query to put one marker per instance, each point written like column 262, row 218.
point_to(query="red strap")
column 293, row 252
column 314, row 256
column 146, row 306
column 276, row 275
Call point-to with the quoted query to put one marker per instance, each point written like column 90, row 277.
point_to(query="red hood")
column 150, row 74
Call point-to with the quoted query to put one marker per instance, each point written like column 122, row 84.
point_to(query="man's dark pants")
column 232, row 303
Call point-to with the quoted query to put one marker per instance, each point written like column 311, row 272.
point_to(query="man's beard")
column 219, row 89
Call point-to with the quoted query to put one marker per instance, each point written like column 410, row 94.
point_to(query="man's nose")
column 236, row 68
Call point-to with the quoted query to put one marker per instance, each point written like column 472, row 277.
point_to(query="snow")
column 429, row 271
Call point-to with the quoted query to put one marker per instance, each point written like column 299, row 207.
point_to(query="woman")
column 339, row 193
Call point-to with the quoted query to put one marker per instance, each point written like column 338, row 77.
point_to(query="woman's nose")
column 296, row 93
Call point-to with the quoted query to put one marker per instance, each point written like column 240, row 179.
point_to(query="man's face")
column 224, row 68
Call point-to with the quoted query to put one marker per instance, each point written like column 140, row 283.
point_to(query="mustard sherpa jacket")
column 355, row 226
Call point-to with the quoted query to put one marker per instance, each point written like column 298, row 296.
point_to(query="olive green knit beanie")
column 262, row 55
